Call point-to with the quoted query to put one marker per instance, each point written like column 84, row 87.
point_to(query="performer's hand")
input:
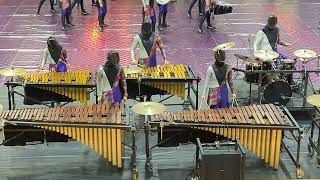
column 125, row 97
column 234, row 95
column 99, row 99
column 203, row 97
column 166, row 62
column 134, row 62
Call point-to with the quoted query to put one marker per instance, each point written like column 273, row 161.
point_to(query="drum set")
column 274, row 87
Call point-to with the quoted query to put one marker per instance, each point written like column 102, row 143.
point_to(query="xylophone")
column 101, row 127
column 166, row 79
column 259, row 128
column 61, row 80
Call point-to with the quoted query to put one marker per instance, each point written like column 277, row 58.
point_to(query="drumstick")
column 295, row 41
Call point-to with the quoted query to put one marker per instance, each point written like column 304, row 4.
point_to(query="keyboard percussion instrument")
column 259, row 128
column 100, row 127
column 62, row 83
column 167, row 79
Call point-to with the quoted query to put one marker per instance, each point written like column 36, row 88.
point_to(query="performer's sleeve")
column 134, row 46
column 208, row 78
column 257, row 41
column 161, row 47
column 124, row 83
column 99, row 82
column 64, row 56
column 279, row 40
column 144, row 3
column 45, row 57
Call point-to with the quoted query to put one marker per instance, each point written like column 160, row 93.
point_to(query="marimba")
column 100, row 127
column 259, row 128
column 55, row 86
column 160, row 80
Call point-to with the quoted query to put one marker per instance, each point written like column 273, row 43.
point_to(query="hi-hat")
column 224, row 46
column 314, row 100
column 266, row 55
column 12, row 71
column 131, row 69
column 148, row 108
column 305, row 53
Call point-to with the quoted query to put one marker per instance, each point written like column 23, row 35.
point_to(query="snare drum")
column 252, row 77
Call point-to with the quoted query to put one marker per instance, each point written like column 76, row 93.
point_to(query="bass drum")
column 277, row 91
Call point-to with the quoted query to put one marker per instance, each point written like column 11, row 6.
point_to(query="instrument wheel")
column 299, row 173
column 310, row 150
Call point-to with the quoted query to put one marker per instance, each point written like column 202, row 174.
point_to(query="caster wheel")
column 310, row 150
column 318, row 162
column 134, row 174
column 299, row 173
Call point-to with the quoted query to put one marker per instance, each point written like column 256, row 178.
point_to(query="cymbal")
column 305, row 53
column 148, row 108
column 266, row 55
column 132, row 69
column 224, row 46
column 12, row 71
column 314, row 100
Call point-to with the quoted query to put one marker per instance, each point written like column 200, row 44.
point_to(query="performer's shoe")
column 164, row 24
column 101, row 29
column 189, row 15
column 104, row 25
column 199, row 30
column 94, row 4
column 70, row 25
column 84, row 13
column 38, row 13
column 53, row 11
column 210, row 26
column 160, row 28
column 64, row 28
column 201, row 13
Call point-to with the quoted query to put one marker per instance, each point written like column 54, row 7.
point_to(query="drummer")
column 268, row 38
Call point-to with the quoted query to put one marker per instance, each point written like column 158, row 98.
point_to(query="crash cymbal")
column 314, row 100
column 12, row 71
column 148, row 108
column 132, row 69
column 224, row 46
column 266, row 55
column 305, row 53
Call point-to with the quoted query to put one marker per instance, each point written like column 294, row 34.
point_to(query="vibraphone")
column 259, row 128
column 54, row 87
column 101, row 127
column 160, row 80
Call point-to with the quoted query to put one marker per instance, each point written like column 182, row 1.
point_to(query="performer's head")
column 272, row 22
column 146, row 30
column 220, row 57
column 52, row 42
column 113, row 58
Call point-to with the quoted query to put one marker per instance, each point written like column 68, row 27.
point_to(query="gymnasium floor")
column 23, row 35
